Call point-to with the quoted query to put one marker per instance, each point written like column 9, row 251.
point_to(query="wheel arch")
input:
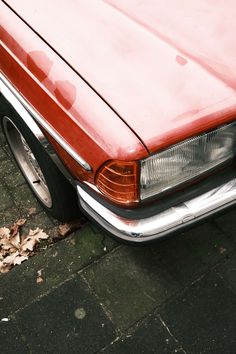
column 20, row 106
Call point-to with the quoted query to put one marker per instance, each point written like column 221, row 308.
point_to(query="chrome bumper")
column 163, row 223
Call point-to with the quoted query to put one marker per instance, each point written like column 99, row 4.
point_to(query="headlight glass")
column 186, row 160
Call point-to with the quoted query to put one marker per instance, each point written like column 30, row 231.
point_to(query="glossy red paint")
column 161, row 67
column 76, row 112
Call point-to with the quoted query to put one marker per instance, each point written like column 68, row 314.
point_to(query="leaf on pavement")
column 28, row 243
column 67, row 228
column 14, row 248
column 32, row 211
column 39, row 234
column 4, row 232
column 19, row 259
column 15, row 227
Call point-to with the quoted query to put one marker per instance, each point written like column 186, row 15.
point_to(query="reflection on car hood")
column 168, row 68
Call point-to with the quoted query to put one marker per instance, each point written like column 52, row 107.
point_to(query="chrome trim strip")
column 153, row 227
column 26, row 111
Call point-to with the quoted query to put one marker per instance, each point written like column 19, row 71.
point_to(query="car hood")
column 167, row 69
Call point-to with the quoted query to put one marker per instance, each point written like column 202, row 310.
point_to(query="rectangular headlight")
column 187, row 160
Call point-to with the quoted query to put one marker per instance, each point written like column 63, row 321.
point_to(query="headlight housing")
column 186, row 160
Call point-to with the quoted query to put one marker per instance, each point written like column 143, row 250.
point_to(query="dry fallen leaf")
column 14, row 248
column 5, row 243
column 32, row 211
column 65, row 229
column 19, row 259
column 21, row 222
column 222, row 250
column 4, row 268
column 4, row 232
column 15, row 240
column 39, row 234
column 11, row 258
column 39, row 278
column 28, row 244
column 15, row 227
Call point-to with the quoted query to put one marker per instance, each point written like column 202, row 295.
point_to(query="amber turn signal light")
column 119, row 181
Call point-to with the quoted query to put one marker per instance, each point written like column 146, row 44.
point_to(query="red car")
column 124, row 108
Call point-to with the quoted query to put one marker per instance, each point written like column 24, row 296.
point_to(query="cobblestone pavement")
column 177, row 296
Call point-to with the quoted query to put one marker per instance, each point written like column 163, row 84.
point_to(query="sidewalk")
column 177, row 296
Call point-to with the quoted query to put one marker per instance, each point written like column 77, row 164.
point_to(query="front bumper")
column 163, row 223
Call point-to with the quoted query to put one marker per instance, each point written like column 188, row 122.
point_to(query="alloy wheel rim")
column 27, row 162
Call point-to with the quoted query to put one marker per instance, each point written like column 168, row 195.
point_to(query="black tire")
column 63, row 203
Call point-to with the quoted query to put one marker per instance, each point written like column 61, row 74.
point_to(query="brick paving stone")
column 6, row 148
column 179, row 258
column 145, row 277
column 11, row 341
column 203, row 317
column 227, row 270
column 9, row 216
column 7, row 167
column 208, row 243
column 3, row 155
column 40, row 220
column 19, row 287
column 69, row 320
column 130, row 283
column 24, row 199
column 14, row 179
column 6, row 201
column 150, row 337
column 227, row 223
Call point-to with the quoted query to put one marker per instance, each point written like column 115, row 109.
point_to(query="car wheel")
column 49, row 185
